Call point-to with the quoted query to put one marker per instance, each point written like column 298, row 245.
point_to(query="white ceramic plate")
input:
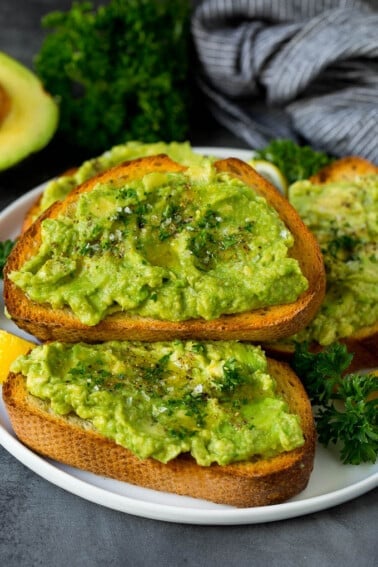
column 331, row 482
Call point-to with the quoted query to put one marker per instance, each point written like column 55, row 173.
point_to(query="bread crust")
column 31, row 214
column 363, row 343
column 35, row 210
column 262, row 324
column 344, row 169
column 243, row 484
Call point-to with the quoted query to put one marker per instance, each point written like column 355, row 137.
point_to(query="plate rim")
column 50, row 471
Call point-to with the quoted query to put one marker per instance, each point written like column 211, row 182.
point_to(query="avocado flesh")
column 28, row 115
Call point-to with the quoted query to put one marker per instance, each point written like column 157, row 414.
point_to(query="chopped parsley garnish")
column 204, row 243
column 156, row 371
column 343, row 246
column 200, row 348
column 210, row 219
column 202, row 246
column 230, row 240
column 232, row 376
column 172, row 221
column 126, row 193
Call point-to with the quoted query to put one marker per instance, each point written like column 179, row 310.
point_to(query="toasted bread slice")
column 262, row 324
column 73, row 441
column 363, row 343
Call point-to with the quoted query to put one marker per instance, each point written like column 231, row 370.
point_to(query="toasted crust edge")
column 262, row 324
column 35, row 210
column 344, row 169
column 244, row 484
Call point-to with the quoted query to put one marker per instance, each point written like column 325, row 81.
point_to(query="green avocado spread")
column 214, row 400
column 172, row 246
column 344, row 218
column 59, row 188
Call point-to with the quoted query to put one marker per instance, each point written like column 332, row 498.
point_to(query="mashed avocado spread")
column 171, row 246
column 214, row 400
column 59, row 188
column 344, row 218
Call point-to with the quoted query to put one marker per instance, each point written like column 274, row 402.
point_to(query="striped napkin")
column 300, row 69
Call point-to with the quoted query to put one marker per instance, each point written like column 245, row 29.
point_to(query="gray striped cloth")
column 300, row 69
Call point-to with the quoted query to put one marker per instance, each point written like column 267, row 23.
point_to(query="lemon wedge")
column 11, row 347
column 271, row 172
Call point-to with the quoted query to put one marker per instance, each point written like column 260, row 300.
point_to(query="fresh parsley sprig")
column 296, row 162
column 5, row 249
column 346, row 407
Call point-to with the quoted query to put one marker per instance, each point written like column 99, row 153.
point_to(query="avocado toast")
column 339, row 204
column 176, row 446
column 263, row 321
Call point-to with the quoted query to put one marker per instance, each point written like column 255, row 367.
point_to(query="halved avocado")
column 28, row 115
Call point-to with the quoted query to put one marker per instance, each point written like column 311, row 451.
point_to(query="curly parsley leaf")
column 119, row 72
column 295, row 162
column 346, row 406
column 321, row 371
column 355, row 426
column 5, row 249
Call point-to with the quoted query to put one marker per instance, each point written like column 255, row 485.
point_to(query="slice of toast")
column 262, row 324
column 73, row 441
column 363, row 343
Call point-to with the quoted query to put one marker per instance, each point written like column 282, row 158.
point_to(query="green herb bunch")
column 295, row 162
column 346, row 407
column 5, row 249
column 119, row 73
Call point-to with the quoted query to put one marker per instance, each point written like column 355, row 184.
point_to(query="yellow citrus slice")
column 11, row 347
column 271, row 172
